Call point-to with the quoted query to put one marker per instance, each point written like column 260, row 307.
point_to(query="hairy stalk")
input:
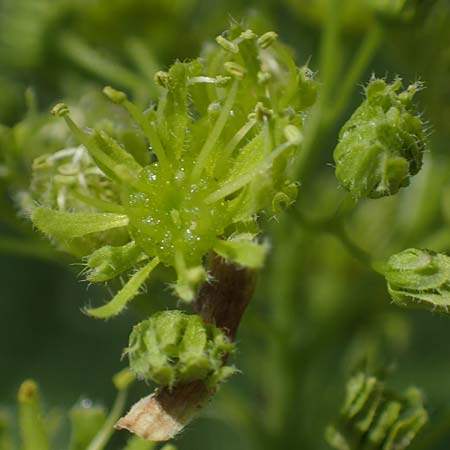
column 222, row 302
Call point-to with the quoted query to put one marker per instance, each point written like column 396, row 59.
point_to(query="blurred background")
column 318, row 313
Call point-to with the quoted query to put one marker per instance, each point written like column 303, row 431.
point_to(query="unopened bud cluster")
column 382, row 144
column 419, row 278
column 374, row 418
column 175, row 348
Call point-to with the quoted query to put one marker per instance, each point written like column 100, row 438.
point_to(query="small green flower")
column 382, row 144
column 222, row 142
column 374, row 418
column 175, row 348
column 419, row 278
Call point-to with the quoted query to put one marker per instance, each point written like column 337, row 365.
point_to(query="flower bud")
column 382, row 144
column 114, row 95
column 419, row 278
column 162, row 78
column 383, row 419
column 267, row 39
column 236, row 70
column 60, row 110
column 227, row 45
column 172, row 347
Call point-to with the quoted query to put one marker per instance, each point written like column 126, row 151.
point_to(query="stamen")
column 207, row 148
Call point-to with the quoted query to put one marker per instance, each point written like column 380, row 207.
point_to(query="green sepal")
column 63, row 225
column 188, row 279
column 172, row 112
column 125, row 295
column 242, row 250
column 108, row 262
column 85, row 423
column 119, row 164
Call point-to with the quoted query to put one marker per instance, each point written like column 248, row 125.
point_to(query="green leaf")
column 125, row 295
column 244, row 252
column 64, row 225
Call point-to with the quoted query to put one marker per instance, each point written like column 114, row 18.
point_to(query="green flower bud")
column 227, row 45
column 267, row 39
column 172, row 348
column 114, row 95
column 382, row 144
column 419, row 278
column 235, row 69
column 162, row 78
column 376, row 418
column 60, row 110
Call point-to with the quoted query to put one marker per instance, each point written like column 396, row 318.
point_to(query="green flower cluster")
column 382, row 144
column 375, row 418
column 419, row 278
column 175, row 348
column 222, row 140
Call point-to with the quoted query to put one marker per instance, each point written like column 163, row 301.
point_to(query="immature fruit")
column 175, row 348
column 382, row 144
column 419, row 278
